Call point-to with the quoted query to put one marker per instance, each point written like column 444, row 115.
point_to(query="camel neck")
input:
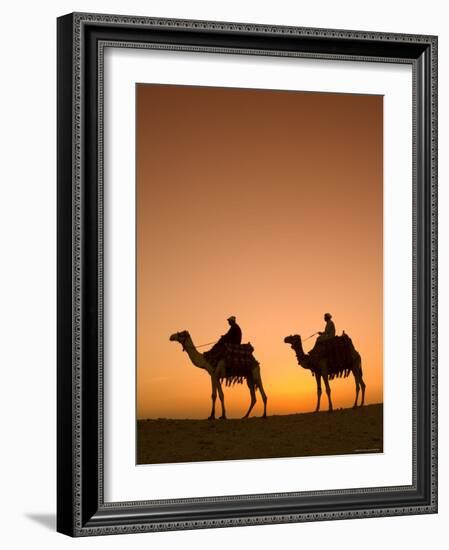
column 195, row 356
column 300, row 355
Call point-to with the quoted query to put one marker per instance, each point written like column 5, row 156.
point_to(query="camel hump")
column 339, row 352
column 339, row 342
column 239, row 363
column 239, row 355
column 239, row 348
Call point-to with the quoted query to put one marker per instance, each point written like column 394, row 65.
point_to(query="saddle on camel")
column 338, row 350
column 238, row 357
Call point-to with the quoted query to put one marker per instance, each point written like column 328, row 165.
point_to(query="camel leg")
column 221, row 396
column 318, row 391
column 220, row 370
column 252, row 391
column 328, row 391
column 357, row 389
column 363, row 386
column 360, row 379
column 264, row 396
column 214, row 397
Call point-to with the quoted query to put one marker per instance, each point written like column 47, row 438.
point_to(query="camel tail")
column 360, row 366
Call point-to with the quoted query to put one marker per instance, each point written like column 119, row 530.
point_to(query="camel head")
column 180, row 337
column 296, row 343
column 185, row 340
column 293, row 339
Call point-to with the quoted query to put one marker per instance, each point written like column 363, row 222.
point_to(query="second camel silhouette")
column 325, row 363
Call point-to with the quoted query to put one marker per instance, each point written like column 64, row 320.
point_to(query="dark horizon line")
column 336, row 409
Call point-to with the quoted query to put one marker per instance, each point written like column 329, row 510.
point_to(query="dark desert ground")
column 344, row 431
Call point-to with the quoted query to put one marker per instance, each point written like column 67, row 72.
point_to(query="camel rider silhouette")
column 329, row 329
column 233, row 336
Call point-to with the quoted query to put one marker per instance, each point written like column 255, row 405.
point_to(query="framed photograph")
column 247, row 274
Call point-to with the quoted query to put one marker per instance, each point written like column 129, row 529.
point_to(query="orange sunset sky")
column 266, row 205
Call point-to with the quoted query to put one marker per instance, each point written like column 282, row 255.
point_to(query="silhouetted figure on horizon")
column 233, row 336
column 329, row 329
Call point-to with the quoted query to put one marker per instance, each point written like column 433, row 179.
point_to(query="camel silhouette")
column 319, row 362
column 223, row 371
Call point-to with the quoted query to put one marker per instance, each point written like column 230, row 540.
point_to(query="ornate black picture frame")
column 81, row 509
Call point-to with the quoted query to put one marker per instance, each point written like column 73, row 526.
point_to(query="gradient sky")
column 266, row 205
